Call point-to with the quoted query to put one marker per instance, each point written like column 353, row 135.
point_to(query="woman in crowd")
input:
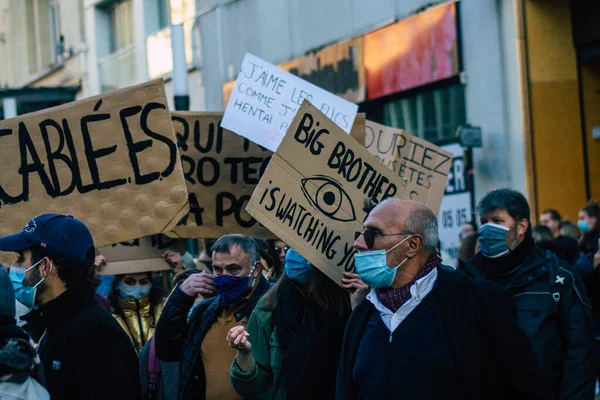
column 136, row 303
column 291, row 346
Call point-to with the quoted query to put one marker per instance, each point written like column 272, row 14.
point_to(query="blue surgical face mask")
column 492, row 240
column 372, row 267
column 24, row 294
column 133, row 292
column 583, row 226
column 297, row 268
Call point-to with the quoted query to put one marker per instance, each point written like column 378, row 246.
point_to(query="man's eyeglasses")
column 284, row 248
column 371, row 235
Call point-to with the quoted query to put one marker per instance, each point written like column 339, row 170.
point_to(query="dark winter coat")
column 591, row 277
column 84, row 351
column 555, row 313
column 178, row 340
column 493, row 357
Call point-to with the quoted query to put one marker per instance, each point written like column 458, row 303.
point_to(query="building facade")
column 525, row 71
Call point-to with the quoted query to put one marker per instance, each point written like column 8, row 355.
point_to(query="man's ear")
column 415, row 245
column 47, row 266
column 522, row 227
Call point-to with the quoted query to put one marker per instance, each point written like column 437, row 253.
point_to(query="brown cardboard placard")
column 230, row 167
column 139, row 255
column 221, row 170
column 313, row 191
column 425, row 165
column 110, row 160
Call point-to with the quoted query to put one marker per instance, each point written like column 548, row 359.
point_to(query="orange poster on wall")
column 413, row 52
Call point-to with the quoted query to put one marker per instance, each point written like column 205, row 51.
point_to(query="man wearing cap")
column 85, row 353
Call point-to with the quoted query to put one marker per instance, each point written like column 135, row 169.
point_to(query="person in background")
column 136, row 305
column 198, row 342
column 567, row 247
column 85, row 354
column 280, row 248
column 272, row 267
column 570, row 230
column 160, row 379
column 552, row 306
column 587, row 264
column 21, row 375
column 468, row 248
column 99, row 264
column 542, row 235
column 466, row 230
column 291, row 346
column 424, row 331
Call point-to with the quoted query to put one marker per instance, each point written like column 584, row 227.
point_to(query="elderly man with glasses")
column 425, row 331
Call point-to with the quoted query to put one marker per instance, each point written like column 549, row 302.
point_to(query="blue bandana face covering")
column 232, row 289
column 372, row 267
column 492, row 240
column 297, row 268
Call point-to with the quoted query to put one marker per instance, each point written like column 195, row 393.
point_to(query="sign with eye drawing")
column 314, row 189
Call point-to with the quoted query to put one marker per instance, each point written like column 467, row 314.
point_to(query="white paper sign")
column 456, row 206
column 265, row 99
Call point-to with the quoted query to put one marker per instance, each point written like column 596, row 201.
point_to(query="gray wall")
column 281, row 30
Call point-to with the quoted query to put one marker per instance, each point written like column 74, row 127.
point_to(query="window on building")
column 120, row 15
column 41, row 37
column 157, row 15
column 432, row 115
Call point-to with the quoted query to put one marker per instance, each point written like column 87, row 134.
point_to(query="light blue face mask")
column 372, row 267
column 24, row 294
column 583, row 226
column 492, row 240
column 297, row 268
column 133, row 292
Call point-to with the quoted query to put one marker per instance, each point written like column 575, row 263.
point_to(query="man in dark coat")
column 85, row 354
column 552, row 307
column 426, row 332
column 566, row 247
column 199, row 344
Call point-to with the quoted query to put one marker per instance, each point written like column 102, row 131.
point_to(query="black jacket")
column 494, row 359
column 178, row 340
column 555, row 313
column 85, row 353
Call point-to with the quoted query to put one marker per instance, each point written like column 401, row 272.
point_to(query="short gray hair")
column 247, row 244
column 423, row 222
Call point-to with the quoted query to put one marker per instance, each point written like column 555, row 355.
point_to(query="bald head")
column 409, row 216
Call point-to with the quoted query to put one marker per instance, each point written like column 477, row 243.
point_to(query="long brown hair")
column 320, row 290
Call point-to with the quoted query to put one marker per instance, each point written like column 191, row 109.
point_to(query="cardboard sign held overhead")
column 139, row 255
column 221, row 170
column 111, row 161
column 314, row 189
column 424, row 164
column 265, row 99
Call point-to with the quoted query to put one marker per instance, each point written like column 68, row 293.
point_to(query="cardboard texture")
column 111, row 161
column 139, row 255
column 221, row 170
column 265, row 99
column 424, row 164
column 314, row 189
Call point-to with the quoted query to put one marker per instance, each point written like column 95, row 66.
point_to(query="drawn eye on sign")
column 330, row 198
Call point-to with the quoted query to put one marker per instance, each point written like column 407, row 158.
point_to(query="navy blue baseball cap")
column 62, row 235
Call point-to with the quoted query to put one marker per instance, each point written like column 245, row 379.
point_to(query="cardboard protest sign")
column 111, row 161
column 139, row 255
column 424, row 164
column 313, row 191
column 221, row 170
column 265, row 100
